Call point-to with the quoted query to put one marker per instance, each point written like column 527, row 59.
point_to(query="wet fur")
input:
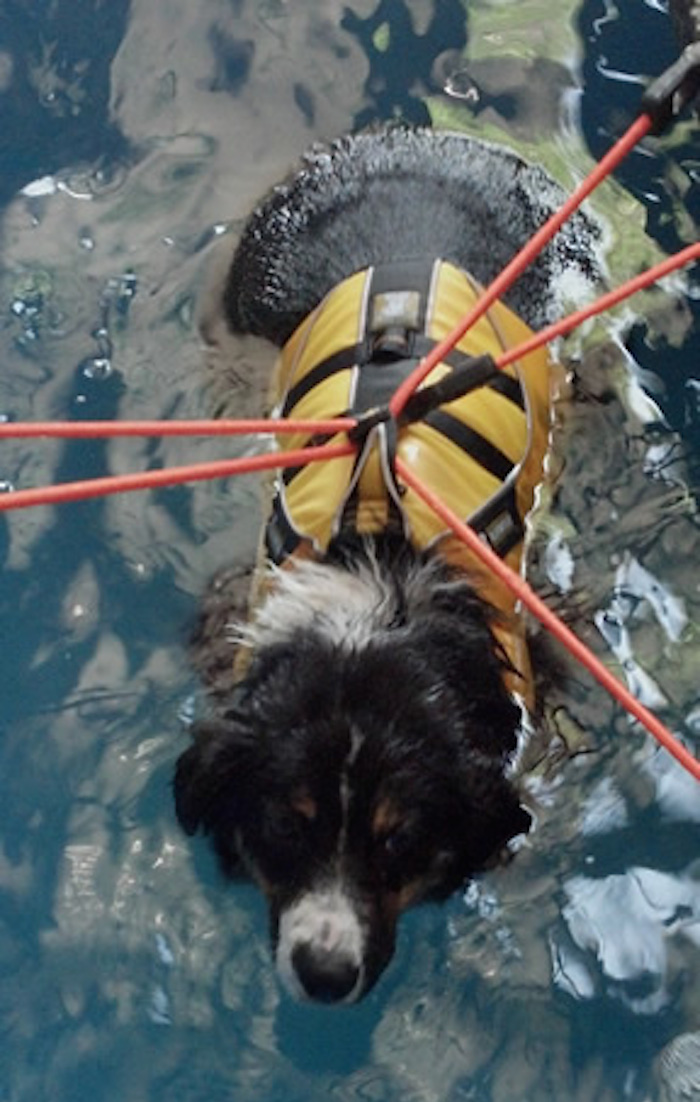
column 431, row 746
column 377, row 197
column 362, row 764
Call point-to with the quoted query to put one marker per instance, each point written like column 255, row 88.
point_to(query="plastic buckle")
column 369, row 420
column 677, row 86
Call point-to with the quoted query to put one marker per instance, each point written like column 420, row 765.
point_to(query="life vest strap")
column 472, row 372
column 360, row 355
column 281, row 537
column 476, row 446
column 499, row 521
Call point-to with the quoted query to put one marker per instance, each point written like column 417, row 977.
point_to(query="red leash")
column 170, row 476
column 90, row 430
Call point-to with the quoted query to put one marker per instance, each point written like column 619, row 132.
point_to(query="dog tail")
column 393, row 194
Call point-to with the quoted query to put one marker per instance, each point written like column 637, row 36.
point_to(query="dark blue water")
column 129, row 971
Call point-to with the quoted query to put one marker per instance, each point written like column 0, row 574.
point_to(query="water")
column 138, row 132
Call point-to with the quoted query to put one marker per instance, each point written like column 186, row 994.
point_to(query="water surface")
column 134, row 139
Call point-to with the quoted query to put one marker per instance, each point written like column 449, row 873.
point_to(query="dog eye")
column 395, row 844
column 391, row 844
column 402, row 855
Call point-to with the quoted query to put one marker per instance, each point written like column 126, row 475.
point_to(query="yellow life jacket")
column 482, row 453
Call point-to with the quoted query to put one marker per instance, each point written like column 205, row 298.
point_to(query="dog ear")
column 211, row 774
column 464, row 655
column 494, row 814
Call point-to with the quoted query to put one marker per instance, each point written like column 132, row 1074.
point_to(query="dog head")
column 352, row 781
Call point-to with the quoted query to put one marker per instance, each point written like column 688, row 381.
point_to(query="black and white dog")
column 362, row 761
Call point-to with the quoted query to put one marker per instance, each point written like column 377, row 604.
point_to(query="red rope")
column 171, row 476
column 521, row 260
column 605, row 302
column 13, row 430
column 551, row 621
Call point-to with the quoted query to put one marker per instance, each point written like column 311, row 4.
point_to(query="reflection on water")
column 129, row 971
column 620, row 929
column 54, row 87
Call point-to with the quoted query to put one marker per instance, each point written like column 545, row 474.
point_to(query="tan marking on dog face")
column 387, row 817
column 304, row 804
column 395, row 903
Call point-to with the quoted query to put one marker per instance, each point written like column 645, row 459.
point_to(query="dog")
column 363, row 761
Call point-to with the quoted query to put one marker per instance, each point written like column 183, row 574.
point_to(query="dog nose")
column 326, row 976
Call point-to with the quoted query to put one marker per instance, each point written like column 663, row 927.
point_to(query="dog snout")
column 326, row 975
column 321, row 947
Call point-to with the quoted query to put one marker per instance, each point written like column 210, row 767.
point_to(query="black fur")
column 438, row 730
column 399, row 194
column 438, row 722
column 436, row 740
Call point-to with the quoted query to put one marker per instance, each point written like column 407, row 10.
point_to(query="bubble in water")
column 45, row 185
column 692, row 720
column 98, row 368
column 459, row 85
column 164, row 951
column 186, row 711
column 159, row 1010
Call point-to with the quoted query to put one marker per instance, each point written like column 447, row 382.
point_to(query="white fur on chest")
column 346, row 607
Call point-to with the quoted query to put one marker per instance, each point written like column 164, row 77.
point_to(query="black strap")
column 403, row 275
column 481, row 450
column 281, row 538
column 339, row 361
column 470, row 374
column 499, row 521
column 358, row 355
column 509, row 387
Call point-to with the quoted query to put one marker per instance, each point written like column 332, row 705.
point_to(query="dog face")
column 352, row 782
